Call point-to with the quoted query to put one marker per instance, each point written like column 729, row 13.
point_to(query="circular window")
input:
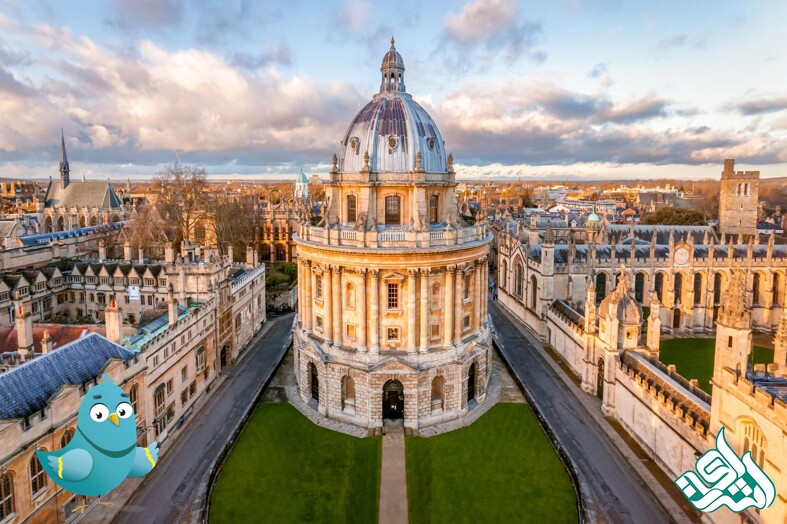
column 392, row 142
column 430, row 143
column 354, row 143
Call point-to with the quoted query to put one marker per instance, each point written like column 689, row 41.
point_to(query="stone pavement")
column 393, row 476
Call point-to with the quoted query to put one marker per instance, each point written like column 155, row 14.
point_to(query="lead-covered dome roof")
column 393, row 128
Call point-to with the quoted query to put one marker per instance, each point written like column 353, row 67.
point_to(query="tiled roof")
column 59, row 334
column 645, row 232
column 26, row 389
column 82, row 194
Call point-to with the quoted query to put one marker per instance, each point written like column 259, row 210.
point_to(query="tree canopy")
column 672, row 216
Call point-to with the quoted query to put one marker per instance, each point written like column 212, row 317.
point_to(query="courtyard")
column 502, row 468
column 693, row 357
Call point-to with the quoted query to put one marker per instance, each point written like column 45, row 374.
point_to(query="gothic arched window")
column 753, row 440
column 37, row 475
column 755, row 289
column 533, row 291
column 519, row 281
column 717, row 283
column 698, row 288
column 659, row 286
column 6, row 496
column 601, row 287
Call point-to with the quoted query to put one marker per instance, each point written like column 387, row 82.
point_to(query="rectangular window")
column 468, row 282
column 184, row 397
column 729, row 342
column 393, row 296
column 393, row 334
column 184, row 373
column 392, row 210
column 170, row 412
column 433, row 210
column 192, row 388
column 318, row 287
column 200, row 360
column 158, row 398
column 170, row 386
column 466, row 322
column 102, row 299
column 318, row 323
column 350, row 331
column 352, row 209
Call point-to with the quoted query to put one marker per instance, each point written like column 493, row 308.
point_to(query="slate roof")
column 645, row 232
column 82, row 194
column 46, row 238
column 27, row 389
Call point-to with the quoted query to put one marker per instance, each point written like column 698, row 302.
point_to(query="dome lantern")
column 392, row 69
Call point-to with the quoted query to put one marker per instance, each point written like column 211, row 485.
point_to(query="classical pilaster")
column 307, row 296
column 362, row 310
column 327, row 296
column 448, row 306
column 411, row 310
column 374, row 287
column 459, row 298
column 337, row 306
column 477, row 296
column 424, row 320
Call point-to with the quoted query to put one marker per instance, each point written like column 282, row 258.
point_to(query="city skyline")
column 564, row 90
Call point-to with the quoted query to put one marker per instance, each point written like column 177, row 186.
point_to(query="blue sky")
column 564, row 89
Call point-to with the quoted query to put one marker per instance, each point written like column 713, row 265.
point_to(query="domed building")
column 392, row 305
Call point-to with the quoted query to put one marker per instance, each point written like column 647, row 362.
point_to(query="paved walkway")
column 617, row 492
column 393, row 477
column 171, row 491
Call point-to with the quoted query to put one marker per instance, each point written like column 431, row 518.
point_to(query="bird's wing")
column 73, row 465
column 144, row 461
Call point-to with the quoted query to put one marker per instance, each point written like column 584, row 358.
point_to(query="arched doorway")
column 600, row 379
column 393, row 400
column 223, row 355
column 314, row 382
column 676, row 319
column 471, row 383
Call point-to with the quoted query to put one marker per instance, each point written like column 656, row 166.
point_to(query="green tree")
column 291, row 270
column 672, row 216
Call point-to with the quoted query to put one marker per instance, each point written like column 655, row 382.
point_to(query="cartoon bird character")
column 103, row 451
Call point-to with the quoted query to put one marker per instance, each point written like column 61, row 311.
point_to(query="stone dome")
column 393, row 128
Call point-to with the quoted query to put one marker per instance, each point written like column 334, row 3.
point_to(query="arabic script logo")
column 724, row 479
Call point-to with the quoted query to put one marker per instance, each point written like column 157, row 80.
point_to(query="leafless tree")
column 234, row 220
column 182, row 198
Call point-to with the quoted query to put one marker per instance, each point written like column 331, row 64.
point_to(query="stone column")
column 411, row 311
column 300, row 292
column 337, row 306
column 459, row 298
column 424, row 321
column 362, row 310
column 448, row 306
column 327, row 296
column 374, row 310
column 307, row 296
column 477, row 291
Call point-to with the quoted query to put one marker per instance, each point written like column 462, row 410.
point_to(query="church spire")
column 64, row 169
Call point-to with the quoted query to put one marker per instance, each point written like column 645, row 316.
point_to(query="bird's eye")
column 99, row 412
column 124, row 410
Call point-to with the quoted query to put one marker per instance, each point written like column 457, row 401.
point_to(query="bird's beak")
column 114, row 418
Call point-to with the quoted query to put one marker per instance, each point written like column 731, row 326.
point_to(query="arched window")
column 698, row 288
column 503, row 276
column 601, row 287
column 659, row 286
column 6, row 496
column 468, row 286
column 778, row 297
column 348, row 394
column 519, row 281
column 199, row 232
column 438, row 399
column 755, row 289
column 37, row 475
column 349, row 294
column 533, row 292
column 238, row 321
column 393, row 212
column 133, row 395
column 639, row 287
column 352, row 208
column 434, row 214
column 435, row 301
column 66, row 438
column 314, row 382
column 753, row 441
column 318, row 287
column 471, row 383
column 717, row 282
column 678, row 287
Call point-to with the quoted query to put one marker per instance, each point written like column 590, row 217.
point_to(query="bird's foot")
column 107, row 504
column 80, row 508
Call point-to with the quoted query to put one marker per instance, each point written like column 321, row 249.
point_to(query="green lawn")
column 286, row 469
column 501, row 469
column 693, row 357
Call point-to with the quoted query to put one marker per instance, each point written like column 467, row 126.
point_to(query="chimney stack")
column 172, row 306
column 127, row 251
column 24, row 331
column 141, row 253
column 250, row 258
column 113, row 321
column 169, row 254
column 46, row 343
column 102, row 250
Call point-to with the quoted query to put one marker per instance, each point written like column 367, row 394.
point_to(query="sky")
column 568, row 89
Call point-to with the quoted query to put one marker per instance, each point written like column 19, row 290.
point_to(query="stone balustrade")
column 392, row 238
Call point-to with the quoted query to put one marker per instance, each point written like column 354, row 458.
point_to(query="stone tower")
column 738, row 200
column 733, row 330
